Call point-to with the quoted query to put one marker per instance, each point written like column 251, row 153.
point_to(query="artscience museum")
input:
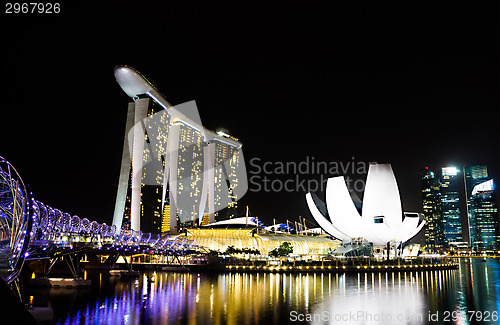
column 379, row 220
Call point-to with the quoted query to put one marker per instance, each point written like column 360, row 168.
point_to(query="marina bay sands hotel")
column 174, row 172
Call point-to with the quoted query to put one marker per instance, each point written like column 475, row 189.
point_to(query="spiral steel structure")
column 30, row 227
column 15, row 221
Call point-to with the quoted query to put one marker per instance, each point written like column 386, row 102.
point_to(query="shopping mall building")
column 246, row 233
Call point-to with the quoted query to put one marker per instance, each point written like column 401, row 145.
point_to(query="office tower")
column 482, row 209
column 474, row 175
column 450, row 207
column 431, row 199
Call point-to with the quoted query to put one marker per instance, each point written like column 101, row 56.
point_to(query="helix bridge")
column 30, row 230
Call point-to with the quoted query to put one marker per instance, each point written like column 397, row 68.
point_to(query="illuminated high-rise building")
column 474, row 175
column 226, row 178
column 482, row 211
column 174, row 172
column 140, row 189
column 431, row 200
column 450, row 206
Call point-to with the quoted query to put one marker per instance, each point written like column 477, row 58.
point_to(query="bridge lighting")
column 58, row 230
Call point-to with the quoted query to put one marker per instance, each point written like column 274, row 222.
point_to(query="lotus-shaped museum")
column 381, row 219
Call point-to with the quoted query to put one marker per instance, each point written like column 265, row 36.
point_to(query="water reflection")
column 469, row 295
column 252, row 298
column 377, row 298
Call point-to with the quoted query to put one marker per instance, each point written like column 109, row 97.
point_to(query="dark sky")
column 409, row 83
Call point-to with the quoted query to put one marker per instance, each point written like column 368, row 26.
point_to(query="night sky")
column 408, row 83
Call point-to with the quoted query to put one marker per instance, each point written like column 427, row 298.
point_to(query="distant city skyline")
column 441, row 201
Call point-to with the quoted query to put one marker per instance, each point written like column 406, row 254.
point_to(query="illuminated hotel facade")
column 174, row 172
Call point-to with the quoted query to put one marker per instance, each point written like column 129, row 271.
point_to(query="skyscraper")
column 176, row 173
column 431, row 199
column 226, row 177
column 482, row 209
column 140, row 189
column 450, row 206
column 173, row 169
